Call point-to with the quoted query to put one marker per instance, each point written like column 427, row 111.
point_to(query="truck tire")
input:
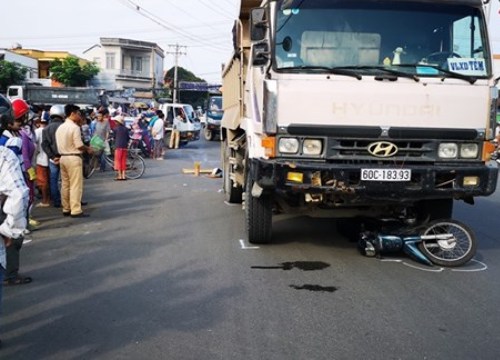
column 232, row 194
column 258, row 216
column 209, row 134
column 435, row 209
column 350, row 228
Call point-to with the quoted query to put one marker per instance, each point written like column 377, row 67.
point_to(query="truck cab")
column 213, row 116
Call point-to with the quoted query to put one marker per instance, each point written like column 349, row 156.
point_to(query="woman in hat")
column 121, row 144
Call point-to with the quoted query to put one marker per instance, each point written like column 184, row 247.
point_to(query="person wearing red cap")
column 21, row 113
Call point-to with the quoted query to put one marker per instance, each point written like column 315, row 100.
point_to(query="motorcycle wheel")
column 456, row 251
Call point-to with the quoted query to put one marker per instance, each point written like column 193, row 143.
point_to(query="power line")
column 218, row 11
column 143, row 12
column 83, row 35
column 188, row 13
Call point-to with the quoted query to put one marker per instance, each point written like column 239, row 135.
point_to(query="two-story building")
column 25, row 61
column 127, row 64
column 44, row 58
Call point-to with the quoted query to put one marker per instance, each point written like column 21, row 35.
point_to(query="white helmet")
column 57, row 110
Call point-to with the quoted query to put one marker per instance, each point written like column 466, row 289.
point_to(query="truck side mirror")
column 260, row 53
column 258, row 25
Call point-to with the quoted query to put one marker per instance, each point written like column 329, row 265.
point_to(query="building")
column 127, row 64
column 44, row 58
column 25, row 61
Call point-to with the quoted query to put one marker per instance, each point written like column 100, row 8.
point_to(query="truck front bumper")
column 190, row 135
column 213, row 127
column 427, row 181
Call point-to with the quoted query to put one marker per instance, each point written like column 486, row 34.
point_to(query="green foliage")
column 195, row 98
column 11, row 74
column 182, row 75
column 70, row 73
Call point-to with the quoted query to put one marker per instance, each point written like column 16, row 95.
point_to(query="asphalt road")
column 162, row 270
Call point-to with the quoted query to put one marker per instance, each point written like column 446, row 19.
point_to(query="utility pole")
column 176, row 52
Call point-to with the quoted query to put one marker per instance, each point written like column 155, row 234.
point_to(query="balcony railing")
column 135, row 73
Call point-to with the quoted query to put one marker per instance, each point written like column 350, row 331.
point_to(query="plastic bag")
column 107, row 148
column 97, row 143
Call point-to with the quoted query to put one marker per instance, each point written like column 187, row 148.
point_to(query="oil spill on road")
column 301, row 265
column 317, row 288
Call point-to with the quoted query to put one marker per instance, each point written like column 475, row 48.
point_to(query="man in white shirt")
column 158, row 132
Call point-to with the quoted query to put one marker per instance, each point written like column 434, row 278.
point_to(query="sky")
column 202, row 26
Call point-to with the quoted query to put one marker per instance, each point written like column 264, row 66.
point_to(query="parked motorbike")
column 137, row 142
column 442, row 242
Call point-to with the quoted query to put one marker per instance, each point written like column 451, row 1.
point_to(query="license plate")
column 385, row 174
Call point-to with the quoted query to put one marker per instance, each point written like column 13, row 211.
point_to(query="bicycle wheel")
column 135, row 167
column 90, row 166
column 110, row 160
column 455, row 251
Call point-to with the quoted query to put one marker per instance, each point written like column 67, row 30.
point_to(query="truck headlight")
column 448, row 151
column 312, row 147
column 288, row 145
column 469, row 151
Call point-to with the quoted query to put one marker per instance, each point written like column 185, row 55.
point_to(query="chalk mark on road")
column 482, row 267
column 245, row 247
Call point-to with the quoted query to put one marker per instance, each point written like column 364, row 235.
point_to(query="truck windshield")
column 215, row 105
column 367, row 36
column 188, row 109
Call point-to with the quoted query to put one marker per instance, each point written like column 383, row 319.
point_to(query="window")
column 467, row 41
column 110, row 60
column 136, row 63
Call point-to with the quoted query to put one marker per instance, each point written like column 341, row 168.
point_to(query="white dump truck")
column 357, row 108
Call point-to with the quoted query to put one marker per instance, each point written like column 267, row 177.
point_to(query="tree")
column 71, row 73
column 195, row 98
column 11, row 73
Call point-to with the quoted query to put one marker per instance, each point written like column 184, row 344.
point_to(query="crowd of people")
column 41, row 164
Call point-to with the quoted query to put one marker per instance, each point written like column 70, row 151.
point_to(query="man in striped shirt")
column 14, row 195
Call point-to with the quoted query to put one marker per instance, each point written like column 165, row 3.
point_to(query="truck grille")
column 357, row 151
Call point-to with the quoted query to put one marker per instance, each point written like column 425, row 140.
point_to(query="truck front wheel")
column 258, row 214
column 209, row 134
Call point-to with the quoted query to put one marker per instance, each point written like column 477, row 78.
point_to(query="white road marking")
column 483, row 268
column 229, row 204
column 423, row 269
column 244, row 247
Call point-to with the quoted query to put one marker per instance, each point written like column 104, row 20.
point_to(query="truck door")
column 169, row 116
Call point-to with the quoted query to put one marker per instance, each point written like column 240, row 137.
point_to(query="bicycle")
column 135, row 164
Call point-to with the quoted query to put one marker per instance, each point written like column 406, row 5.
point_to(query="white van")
column 183, row 118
